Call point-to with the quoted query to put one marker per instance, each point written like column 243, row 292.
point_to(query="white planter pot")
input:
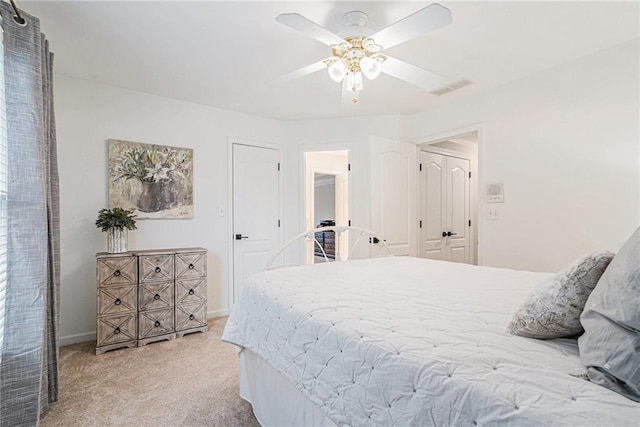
column 117, row 240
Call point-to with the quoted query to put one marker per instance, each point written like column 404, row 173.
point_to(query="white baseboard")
column 76, row 338
column 91, row 336
column 217, row 313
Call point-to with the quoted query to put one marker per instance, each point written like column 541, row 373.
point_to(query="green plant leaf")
column 116, row 218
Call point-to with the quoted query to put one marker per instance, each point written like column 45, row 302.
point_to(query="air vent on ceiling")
column 452, row 86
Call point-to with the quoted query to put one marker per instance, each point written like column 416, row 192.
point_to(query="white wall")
column 353, row 134
column 325, row 202
column 88, row 114
column 566, row 144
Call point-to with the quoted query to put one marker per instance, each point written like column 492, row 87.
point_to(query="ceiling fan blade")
column 301, row 72
column 309, row 28
column 415, row 75
column 423, row 21
column 349, row 98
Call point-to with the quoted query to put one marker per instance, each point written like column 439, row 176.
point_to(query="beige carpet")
column 190, row 381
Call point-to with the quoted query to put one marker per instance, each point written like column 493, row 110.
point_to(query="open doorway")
column 448, row 199
column 327, row 202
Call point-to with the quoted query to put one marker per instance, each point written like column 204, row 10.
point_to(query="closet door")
column 393, row 196
column 444, row 207
column 457, row 209
column 433, row 206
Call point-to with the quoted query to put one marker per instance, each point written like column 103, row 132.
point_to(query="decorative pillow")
column 610, row 346
column 553, row 309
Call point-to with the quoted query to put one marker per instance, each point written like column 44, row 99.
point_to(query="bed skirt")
column 275, row 400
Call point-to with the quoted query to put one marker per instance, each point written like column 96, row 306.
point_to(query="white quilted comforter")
column 407, row 342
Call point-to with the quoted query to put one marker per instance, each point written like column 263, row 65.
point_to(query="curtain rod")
column 18, row 18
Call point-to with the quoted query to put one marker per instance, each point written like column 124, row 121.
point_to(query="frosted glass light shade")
column 354, row 82
column 338, row 70
column 370, row 67
column 358, row 82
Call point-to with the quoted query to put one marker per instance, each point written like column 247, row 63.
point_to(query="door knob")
column 449, row 234
column 240, row 236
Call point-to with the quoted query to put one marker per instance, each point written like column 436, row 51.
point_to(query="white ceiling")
column 221, row 53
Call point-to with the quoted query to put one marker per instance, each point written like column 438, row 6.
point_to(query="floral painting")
column 156, row 181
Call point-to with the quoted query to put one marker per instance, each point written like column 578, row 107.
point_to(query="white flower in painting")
column 152, row 165
column 157, row 173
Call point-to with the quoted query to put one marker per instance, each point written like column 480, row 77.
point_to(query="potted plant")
column 116, row 222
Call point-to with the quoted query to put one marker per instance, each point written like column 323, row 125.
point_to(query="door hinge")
column 420, row 224
column 420, row 167
column 278, row 223
column 469, row 223
column 469, row 174
column 349, row 167
column 278, row 165
column 349, row 222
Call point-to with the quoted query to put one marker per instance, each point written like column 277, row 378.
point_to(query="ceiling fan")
column 358, row 53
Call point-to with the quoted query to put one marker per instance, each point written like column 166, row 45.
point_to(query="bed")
column 406, row 341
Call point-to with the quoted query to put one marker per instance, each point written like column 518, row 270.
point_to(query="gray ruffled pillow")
column 553, row 308
column 609, row 348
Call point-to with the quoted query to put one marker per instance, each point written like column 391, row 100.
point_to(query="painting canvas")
column 156, row 181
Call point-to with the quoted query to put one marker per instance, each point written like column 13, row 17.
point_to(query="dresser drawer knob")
column 191, row 292
column 191, row 267
column 116, row 330
column 191, row 317
column 117, row 301
column 157, row 324
column 156, row 297
column 158, row 269
column 116, row 273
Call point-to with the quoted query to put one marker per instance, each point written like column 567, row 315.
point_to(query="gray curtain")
column 29, row 366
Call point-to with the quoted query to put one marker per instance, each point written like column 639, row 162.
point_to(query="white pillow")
column 553, row 309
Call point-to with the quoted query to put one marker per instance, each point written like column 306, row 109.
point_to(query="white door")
column 256, row 211
column 445, row 207
column 393, row 209
column 433, row 205
column 342, row 214
column 457, row 195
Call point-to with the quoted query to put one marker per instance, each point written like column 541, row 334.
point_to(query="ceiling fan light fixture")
column 349, row 98
column 354, row 81
column 371, row 45
column 357, row 49
column 338, row 70
column 371, row 67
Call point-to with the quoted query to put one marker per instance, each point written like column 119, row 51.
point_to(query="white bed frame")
column 340, row 232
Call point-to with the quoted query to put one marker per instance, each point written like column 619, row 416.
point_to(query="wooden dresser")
column 327, row 242
column 150, row 295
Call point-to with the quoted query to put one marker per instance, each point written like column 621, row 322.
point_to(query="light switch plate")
column 494, row 213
